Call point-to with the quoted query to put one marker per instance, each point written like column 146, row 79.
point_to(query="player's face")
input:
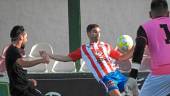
column 94, row 34
column 24, row 38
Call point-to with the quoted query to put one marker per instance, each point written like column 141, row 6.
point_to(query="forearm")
column 60, row 58
column 127, row 55
column 137, row 57
column 139, row 50
column 141, row 42
column 32, row 63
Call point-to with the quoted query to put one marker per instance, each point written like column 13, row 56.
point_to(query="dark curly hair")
column 16, row 31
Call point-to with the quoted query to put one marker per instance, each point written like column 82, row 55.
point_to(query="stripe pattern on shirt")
column 97, row 58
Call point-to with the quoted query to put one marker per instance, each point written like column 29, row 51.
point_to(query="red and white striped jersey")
column 98, row 57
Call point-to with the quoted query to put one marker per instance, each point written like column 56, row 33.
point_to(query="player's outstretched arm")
column 25, row 63
column 60, row 58
column 56, row 57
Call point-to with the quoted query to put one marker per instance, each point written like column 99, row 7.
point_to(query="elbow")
column 65, row 61
column 25, row 66
column 120, row 59
column 123, row 58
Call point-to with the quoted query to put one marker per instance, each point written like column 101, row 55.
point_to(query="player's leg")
column 111, row 86
column 115, row 83
column 156, row 86
column 35, row 92
column 31, row 91
column 27, row 93
column 131, row 87
column 115, row 92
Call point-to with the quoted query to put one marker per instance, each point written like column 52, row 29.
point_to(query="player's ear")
column 88, row 34
column 150, row 14
column 21, row 37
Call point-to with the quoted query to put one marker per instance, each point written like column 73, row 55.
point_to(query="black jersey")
column 19, row 83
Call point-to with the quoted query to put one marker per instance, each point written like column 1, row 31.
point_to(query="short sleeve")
column 16, row 55
column 75, row 55
column 12, row 54
column 115, row 54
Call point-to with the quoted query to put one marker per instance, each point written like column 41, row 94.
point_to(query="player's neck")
column 17, row 44
column 159, row 16
column 94, row 41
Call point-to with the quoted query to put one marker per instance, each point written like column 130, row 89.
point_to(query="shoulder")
column 105, row 44
column 12, row 50
column 148, row 21
column 83, row 46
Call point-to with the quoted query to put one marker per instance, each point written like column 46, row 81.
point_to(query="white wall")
column 44, row 20
column 114, row 16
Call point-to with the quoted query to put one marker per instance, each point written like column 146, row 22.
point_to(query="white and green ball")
column 124, row 43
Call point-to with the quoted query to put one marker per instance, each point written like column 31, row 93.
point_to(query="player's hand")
column 34, row 82
column 45, row 57
column 42, row 53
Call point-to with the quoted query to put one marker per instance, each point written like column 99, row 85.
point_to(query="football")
column 124, row 43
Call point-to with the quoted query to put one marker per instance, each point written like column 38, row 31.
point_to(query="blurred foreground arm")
column 127, row 55
column 141, row 42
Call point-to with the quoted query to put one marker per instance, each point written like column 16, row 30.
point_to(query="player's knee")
column 115, row 92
